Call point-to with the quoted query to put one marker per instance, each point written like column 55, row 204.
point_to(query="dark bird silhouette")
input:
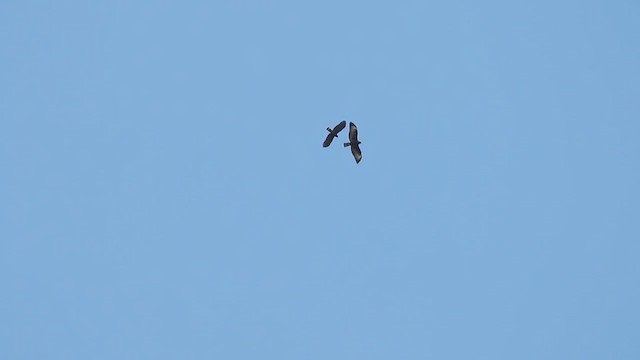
column 333, row 133
column 354, row 142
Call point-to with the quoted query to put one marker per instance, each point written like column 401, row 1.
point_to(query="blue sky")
column 165, row 195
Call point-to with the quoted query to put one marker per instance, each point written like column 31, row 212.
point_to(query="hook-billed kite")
column 354, row 142
column 333, row 133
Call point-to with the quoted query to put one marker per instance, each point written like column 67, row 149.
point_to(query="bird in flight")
column 333, row 133
column 354, row 142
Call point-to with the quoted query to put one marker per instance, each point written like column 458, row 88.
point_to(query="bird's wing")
column 357, row 154
column 353, row 133
column 328, row 140
column 340, row 126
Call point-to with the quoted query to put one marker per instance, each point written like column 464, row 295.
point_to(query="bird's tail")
column 347, row 144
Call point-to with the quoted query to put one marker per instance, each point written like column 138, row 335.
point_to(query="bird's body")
column 354, row 142
column 333, row 133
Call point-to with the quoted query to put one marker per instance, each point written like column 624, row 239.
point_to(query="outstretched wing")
column 357, row 154
column 353, row 133
column 340, row 126
column 328, row 140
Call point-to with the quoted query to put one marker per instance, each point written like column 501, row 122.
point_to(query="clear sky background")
column 164, row 193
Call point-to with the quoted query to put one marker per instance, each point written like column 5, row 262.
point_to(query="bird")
column 333, row 133
column 354, row 142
